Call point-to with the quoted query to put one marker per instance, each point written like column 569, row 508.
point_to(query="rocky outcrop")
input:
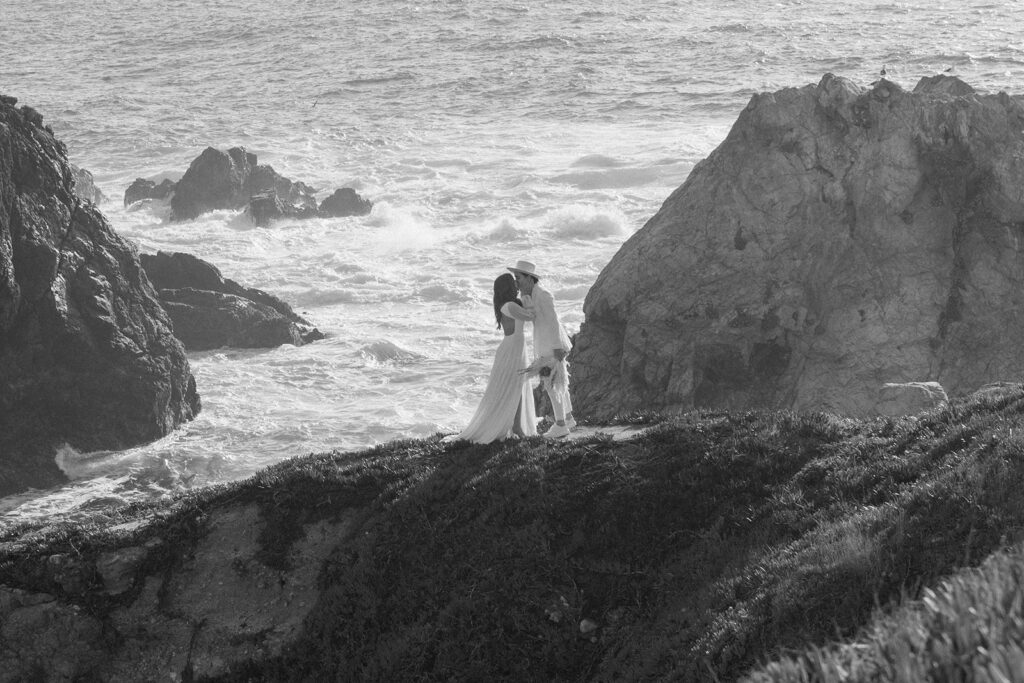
column 222, row 606
column 839, row 238
column 87, row 356
column 297, row 198
column 210, row 311
column 234, row 180
column 214, row 180
column 265, row 207
column 345, row 202
column 141, row 189
column 85, row 185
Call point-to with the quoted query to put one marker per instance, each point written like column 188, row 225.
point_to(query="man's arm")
column 545, row 304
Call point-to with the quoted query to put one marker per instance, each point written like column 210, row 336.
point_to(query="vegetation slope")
column 761, row 546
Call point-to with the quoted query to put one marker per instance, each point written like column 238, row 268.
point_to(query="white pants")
column 561, row 404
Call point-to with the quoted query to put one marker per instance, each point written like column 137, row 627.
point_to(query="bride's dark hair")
column 505, row 290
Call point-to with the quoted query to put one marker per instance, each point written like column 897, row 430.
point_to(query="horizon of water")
column 484, row 132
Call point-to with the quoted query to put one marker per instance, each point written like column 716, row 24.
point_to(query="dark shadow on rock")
column 345, row 202
column 141, row 189
column 210, row 311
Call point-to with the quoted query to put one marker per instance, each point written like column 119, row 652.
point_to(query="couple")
column 507, row 407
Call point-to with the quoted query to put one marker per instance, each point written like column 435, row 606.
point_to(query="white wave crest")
column 597, row 161
column 508, row 230
column 444, row 293
column 610, row 178
column 586, row 222
column 406, row 228
column 383, row 351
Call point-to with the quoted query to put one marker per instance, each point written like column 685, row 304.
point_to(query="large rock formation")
column 234, row 180
column 87, row 356
column 838, row 239
column 214, row 180
column 210, row 311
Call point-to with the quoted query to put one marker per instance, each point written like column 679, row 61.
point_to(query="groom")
column 549, row 340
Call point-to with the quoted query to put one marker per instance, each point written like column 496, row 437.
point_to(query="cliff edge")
column 696, row 550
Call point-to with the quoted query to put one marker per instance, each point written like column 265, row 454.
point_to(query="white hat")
column 524, row 267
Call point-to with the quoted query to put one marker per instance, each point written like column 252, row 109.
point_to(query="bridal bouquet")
column 550, row 371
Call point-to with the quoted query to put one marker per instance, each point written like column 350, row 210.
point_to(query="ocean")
column 484, row 132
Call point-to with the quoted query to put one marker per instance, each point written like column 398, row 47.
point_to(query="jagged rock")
column 265, row 207
column 87, row 356
column 32, row 116
column 214, row 180
column 229, row 180
column 41, row 635
column 148, row 189
column 345, row 202
column 219, row 608
column 178, row 271
column 211, row 320
column 295, row 198
column 839, row 237
column 910, row 398
column 85, row 185
column 234, row 180
column 210, row 311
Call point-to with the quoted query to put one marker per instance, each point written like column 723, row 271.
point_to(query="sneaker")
column 557, row 431
column 571, row 423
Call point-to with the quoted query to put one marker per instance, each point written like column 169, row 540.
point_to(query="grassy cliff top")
column 713, row 546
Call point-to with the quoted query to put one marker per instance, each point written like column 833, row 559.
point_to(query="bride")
column 506, row 408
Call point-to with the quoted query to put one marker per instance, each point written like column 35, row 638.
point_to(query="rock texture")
column 173, row 617
column 214, row 180
column 141, row 189
column 210, row 311
column 345, row 202
column 234, row 180
column 85, row 185
column 265, row 207
column 840, row 238
column 87, row 356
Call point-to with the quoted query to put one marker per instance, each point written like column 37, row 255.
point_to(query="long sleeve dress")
column 507, row 390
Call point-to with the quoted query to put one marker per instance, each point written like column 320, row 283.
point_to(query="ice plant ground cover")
column 705, row 547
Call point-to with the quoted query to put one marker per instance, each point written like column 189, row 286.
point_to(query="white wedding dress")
column 507, row 390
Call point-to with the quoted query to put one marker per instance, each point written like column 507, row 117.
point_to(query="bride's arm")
column 514, row 310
